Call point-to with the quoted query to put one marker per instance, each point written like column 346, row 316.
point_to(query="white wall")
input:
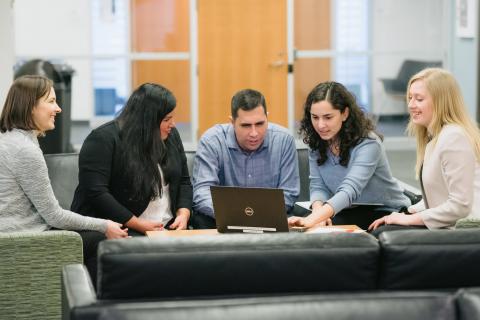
column 464, row 62
column 58, row 30
column 7, row 55
column 407, row 29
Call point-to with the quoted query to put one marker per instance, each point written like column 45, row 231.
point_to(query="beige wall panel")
column 159, row 25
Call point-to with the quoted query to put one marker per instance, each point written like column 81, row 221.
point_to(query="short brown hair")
column 21, row 99
column 247, row 99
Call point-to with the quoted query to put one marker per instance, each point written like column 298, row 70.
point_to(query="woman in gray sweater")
column 27, row 202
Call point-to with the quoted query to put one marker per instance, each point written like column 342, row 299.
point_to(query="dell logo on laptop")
column 249, row 211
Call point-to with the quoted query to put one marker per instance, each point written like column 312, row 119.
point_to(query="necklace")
column 335, row 148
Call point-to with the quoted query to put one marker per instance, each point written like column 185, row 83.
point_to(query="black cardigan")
column 102, row 190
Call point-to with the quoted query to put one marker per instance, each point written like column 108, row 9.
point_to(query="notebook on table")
column 251, row 210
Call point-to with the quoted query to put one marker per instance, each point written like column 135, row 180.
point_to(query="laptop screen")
column 252, row 210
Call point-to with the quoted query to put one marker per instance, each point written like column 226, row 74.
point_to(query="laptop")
column 250, row 210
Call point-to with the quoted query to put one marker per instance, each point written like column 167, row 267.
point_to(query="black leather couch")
column 420, row 259
column 143, row 271
column 228, row 265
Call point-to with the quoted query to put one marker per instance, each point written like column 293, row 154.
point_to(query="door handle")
column 278, row 63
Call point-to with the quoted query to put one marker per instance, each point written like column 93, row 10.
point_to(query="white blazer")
column 451, row 180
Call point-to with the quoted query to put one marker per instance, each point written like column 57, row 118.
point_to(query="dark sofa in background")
column 63, row 173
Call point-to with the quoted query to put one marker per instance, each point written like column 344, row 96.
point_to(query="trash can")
column 57, row 140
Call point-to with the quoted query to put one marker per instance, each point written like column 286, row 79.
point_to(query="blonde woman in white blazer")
column 448, row 154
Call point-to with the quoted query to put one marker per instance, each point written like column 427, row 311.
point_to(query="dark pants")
column 90, row 240
column 201, row 221
column 362, row 216
column 393, row 227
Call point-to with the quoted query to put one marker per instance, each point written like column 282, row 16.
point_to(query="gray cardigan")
column 27, row 202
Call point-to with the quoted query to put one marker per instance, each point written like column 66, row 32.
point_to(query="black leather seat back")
column 392, row 306
column 190, row 157
column 236, row 264
column 63, row 173
column 304, row 171
column 421, row 259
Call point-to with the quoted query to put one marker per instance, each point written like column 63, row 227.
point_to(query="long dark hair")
column 354, row 129
column 143, row 148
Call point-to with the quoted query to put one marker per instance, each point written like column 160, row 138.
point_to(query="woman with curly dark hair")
column 348, row 164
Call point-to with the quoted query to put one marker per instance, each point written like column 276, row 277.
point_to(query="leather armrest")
column 468, row 302
column 77, row 289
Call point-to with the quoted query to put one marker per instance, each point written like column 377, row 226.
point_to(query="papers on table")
column 304, row 204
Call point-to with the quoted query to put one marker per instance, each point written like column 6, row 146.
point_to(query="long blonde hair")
column 448, row 108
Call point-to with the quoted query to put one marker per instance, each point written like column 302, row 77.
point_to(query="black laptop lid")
column 253, row 210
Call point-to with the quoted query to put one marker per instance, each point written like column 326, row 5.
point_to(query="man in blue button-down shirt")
column 248, row 152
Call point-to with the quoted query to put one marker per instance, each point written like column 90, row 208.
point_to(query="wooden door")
column 159, row 27
column 242, row 44
column 312, row 34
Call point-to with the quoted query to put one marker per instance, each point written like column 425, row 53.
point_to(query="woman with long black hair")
column 133, row 170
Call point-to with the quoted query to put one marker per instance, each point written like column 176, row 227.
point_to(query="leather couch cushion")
column 232, row 264
column 468, row 302
column 392, row 306
column 414, row 259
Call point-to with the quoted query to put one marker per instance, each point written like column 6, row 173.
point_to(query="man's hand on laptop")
column 295, row 221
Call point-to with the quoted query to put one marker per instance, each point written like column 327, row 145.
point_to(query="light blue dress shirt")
column 366, row 179
column 219, row 160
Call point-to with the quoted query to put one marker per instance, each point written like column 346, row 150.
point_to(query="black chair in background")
column 398, row 85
